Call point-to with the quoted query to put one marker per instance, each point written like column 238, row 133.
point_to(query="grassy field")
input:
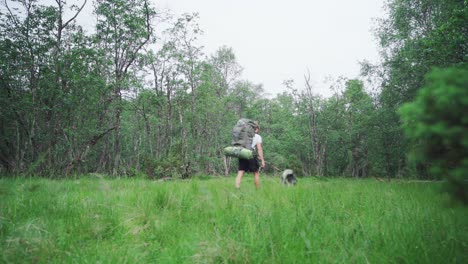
column 93, row 220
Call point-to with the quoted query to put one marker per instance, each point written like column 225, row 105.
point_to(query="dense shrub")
column 438, row 124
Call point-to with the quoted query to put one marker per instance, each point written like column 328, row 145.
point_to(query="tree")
column 418, row 35
column 437, row 124
column 51, row 86
column 318, row 146
column 242, row 96
column 224, row 61
column 414, row 37
column 282, row 133
column 123, row 29
column 358, row 112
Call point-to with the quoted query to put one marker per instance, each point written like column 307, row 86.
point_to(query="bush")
column 437, row 124
column 166, row 167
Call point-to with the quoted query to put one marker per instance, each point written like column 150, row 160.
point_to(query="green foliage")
column 53, row 91
column 94, row 219
column 414, row 37
column 74, row 102
column 168, row 167
column 438, row 125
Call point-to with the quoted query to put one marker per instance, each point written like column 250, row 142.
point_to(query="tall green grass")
column 92, row 220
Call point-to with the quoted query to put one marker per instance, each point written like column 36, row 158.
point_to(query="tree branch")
column 73, row 18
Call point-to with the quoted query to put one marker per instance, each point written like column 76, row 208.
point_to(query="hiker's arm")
column 260, row 153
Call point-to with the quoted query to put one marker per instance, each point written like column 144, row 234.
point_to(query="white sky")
column 276, row 40
column 279, row 40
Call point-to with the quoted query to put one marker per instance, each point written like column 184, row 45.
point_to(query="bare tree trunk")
column 227, row 164
column 321, row 162
column 117, row 146
column 159, row 138
column 168, row 116
column 148, row 133
column 316, row 155
column 80, row 154
column 184, row 138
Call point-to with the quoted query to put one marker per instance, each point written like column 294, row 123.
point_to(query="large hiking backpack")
column 243, row 133
column 242, row 136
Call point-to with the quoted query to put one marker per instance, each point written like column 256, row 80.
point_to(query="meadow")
column 206, row 220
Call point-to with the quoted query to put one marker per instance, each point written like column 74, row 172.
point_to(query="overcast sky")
column 279, row 40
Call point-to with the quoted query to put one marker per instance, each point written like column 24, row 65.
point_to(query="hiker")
column 252, row 165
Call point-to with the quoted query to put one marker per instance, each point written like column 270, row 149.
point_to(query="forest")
column 139, row 96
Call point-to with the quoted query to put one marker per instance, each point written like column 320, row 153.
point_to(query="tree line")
column 140, row 96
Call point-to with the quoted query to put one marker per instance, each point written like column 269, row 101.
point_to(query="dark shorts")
column 250, row 165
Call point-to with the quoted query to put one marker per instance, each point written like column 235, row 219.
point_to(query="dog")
column 288, row 178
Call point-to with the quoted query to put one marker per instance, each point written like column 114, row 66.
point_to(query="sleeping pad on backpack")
column 238, row 152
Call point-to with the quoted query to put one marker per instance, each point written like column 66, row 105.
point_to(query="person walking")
column 252, row 165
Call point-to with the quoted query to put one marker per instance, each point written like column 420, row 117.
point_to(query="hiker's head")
column 256, row 127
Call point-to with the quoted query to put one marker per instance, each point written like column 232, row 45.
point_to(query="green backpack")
column 242, row 136
column 243, row 133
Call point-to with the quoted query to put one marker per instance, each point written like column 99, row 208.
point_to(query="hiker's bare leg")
column 239, row 178
column 257, row 179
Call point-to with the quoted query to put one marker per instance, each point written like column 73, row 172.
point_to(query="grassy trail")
column 94, row 220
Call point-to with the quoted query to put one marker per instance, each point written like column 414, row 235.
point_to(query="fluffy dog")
column 288, row 178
